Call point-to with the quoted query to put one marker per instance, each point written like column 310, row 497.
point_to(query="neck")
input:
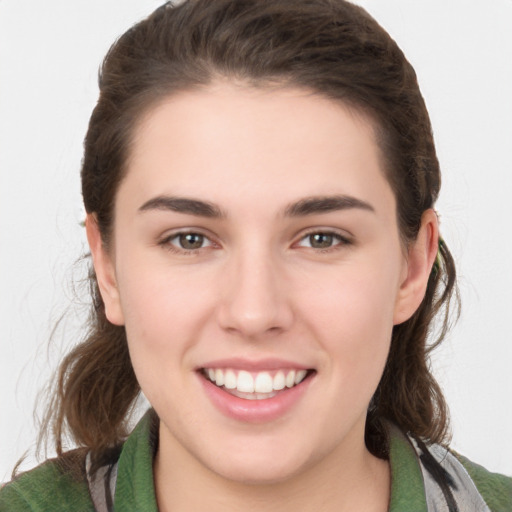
column 345, row 480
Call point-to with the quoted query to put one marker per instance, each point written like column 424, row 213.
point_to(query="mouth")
column 261, row 385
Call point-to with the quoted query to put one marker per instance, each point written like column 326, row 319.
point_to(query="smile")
column 254, row 385
column 255, row 392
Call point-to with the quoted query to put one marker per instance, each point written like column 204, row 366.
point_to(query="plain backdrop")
column 49, row 56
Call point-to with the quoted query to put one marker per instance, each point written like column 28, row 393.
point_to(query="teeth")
column 299, row 376
column 264, row 383
column 219, row 377
column 261, row 385
column 245, row 382
column 230, row 380
column 279, row 381
column 290, row 379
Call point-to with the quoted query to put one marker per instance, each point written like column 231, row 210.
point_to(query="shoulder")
column 52, row 486
column 427, row 477
column 496, row 489
column 462, row 481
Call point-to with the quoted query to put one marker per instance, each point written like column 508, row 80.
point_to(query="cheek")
column 164, row 313
column 158, row 298
column 351, row 320
column 352, row 316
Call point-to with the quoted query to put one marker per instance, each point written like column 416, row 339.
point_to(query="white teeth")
column 299, row 376
column 219, row 377
column 253, row 396
column 230, row 380
column 279, row 381
column 290, row 379
column 261, row 385
column 245, row 382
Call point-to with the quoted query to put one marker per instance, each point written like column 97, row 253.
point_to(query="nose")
column 255, row 296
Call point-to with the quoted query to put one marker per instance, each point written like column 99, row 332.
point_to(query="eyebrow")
column 325, row 204
column 183, row 205
column 303, row 207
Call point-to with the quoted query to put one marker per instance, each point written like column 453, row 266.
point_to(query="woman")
column 259, row 179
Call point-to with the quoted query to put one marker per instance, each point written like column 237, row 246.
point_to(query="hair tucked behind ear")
column 330, row 47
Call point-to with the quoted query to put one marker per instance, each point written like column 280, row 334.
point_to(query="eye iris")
column 191, row 241
column 320, row 240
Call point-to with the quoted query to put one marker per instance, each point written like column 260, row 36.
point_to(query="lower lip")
column 254, row 411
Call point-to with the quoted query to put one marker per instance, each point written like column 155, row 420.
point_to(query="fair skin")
column 255, row 233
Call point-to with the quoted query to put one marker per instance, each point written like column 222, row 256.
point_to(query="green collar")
column 135, row 488
column 407, row 488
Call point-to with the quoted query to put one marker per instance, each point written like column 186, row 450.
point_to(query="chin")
column 259, row 466
column 258, row 474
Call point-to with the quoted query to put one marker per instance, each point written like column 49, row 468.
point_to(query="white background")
column 49, row 55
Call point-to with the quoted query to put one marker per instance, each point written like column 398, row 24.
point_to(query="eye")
column 322, row 240
column 186, row 242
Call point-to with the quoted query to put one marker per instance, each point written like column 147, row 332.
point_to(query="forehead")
column 274, row 142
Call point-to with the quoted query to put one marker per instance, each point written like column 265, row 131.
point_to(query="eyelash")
column 339, row 238
column 168, row 245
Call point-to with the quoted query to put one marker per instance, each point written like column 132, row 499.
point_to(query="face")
column 257, row 266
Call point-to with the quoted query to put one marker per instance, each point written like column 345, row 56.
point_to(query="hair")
column 330, row 47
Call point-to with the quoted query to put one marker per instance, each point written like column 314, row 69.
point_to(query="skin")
column 259, row 287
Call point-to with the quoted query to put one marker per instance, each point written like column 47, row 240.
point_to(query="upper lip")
column 254, row 365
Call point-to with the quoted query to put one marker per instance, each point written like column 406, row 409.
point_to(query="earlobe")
column 420, row 258
column 105, row 272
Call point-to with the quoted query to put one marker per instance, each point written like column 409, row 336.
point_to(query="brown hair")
column 331, row 47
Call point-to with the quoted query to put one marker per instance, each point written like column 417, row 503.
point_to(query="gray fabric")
column 464, row 491
column 102, row 485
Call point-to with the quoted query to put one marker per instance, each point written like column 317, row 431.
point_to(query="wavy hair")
column 331, row 47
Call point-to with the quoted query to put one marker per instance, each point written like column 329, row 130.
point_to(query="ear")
column 105, row 271
column 421, row 254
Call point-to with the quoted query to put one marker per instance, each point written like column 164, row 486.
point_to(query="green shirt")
column 49, row 488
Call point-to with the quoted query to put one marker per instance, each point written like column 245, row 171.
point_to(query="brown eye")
column 191, row 241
